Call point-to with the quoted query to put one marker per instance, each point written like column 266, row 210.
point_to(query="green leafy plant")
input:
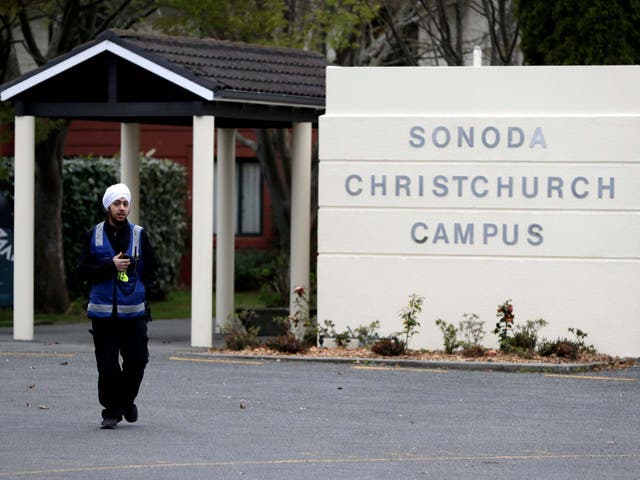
column 471, row 329
column 329, row 331
column 560, row 347
column 366, row 334
column 580, row 341
column 237, row 332
column 298, row 320
column 389, row 347
column 449, row 334
column 409, row 316
column 505, row 323
column 275, row 281
column 525, row 338
column 566, row 348
column 287, row 343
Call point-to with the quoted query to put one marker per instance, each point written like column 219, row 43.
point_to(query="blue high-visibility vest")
column 129, row 295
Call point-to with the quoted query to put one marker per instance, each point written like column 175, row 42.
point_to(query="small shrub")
column 449, row 334
column 237, row 333
column 409, row 316
column 471, row 329
column 469, row 350
column 366, row 335
column 561, row 347
column 525, row 338
column 565, row 348
column 287, row 343
column 236, row 339
column 329, row 331
column 505, row 323
column 580, row 341
column 275, row 281
column 342, row 339
column 389, row 347
column 310, row 337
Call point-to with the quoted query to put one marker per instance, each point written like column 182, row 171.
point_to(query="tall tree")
column 445, row 32
column 566, row 32
column 69, row 23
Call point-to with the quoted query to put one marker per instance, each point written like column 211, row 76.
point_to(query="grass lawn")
column 177, row 305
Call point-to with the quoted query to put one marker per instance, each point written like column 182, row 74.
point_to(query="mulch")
column 607, row 361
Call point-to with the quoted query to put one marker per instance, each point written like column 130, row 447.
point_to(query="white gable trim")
column 107, row 46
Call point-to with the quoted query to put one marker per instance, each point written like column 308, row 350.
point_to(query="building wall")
column 430, row 190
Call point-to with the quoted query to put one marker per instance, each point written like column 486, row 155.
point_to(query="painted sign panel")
column 530, row 193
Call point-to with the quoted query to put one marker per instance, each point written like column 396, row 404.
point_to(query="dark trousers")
column 118, row 385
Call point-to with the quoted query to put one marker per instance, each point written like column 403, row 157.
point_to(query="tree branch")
column 30, row 42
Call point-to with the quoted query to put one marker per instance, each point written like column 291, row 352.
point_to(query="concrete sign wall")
column 471, row 186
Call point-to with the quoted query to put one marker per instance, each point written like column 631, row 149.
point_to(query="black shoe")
column 131, row 413
column 109, row 423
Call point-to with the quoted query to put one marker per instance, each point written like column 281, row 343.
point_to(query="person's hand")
column 121, row 263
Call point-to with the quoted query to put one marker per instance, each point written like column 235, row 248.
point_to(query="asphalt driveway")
column 203, row 417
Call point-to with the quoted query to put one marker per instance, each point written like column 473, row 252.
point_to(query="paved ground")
column 203, row 417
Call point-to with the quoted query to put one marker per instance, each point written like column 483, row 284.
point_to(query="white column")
column 225, row 231
column 300, row 211
column 23, row 227
column 202, row 233
column 130, row 165
column 477, row 56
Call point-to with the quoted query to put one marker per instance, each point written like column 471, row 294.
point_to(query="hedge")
column 163, row 193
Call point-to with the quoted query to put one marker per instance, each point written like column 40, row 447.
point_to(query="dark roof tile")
column 233, row 66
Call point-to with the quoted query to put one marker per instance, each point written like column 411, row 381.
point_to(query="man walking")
column 118, row 262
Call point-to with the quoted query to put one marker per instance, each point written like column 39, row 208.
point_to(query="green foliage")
column 329, row 330
column 287, row 343
column 249, row 268
column 471, row 329
column 505, row 323
column 569, row 32
column 365, row 334
column 524, row 339
column 389, row 347
column 251, row 21
column 566, row 348
column 561, row 347
column 163, row 192
column 274, row 275
column 580, row 337
column 450, row 335
column 298, row 24
column 6, row 178
column 237, row 332
column 409, row 316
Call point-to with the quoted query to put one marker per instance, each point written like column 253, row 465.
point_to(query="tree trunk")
column 51, row 295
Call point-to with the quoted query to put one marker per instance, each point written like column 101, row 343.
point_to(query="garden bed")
column 604, row 361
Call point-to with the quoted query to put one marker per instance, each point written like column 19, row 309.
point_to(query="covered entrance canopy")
column 132, row 78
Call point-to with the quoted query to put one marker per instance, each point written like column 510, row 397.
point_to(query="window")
column 248, row 201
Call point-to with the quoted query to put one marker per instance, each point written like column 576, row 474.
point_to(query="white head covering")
column 114, row 192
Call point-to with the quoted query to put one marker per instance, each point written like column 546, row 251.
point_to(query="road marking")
column 216, row 360
column 37, row 354
column 393, row 368
column 294, row 461
column 591, row 377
